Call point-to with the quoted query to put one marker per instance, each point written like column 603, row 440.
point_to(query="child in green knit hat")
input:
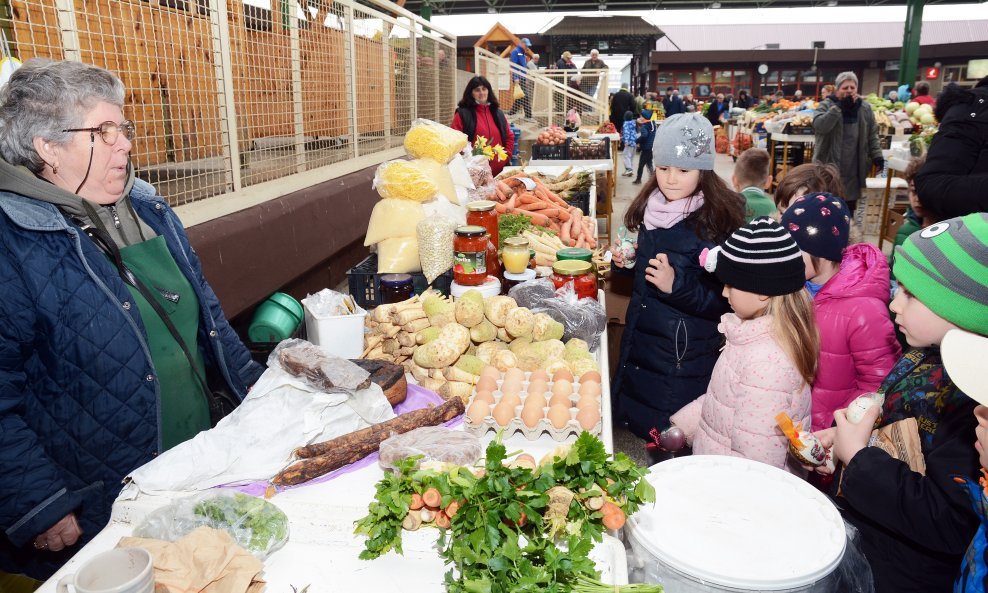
column 916, row 525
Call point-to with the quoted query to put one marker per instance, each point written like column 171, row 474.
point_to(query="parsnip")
column 407, row 316
column 456, row 389
column 456, row 374
column 405, row 339
column 416, row 326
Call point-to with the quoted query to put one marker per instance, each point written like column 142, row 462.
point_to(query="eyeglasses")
column 110, row 131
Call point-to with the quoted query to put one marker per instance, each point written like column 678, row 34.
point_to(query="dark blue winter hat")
column 820, row 223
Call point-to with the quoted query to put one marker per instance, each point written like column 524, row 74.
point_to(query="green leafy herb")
column 265, row 523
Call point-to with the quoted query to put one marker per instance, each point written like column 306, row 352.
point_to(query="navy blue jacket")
column 974, row 568
column 646, row 136
column 79, row 399
column 670, row 342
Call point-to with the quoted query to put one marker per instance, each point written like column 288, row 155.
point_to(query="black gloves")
column 879, row 162
column 848, row 103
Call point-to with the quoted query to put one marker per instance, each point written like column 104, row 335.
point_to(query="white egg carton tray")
column 543, row 425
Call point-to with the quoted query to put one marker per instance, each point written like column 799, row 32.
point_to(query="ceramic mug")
column 121, row 570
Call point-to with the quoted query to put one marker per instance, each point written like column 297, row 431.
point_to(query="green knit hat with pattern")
column 945, row 266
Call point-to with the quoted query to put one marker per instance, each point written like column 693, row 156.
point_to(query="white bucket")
column 340, row 335
column 730, row 524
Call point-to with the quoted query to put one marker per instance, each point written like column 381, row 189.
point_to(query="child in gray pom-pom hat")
column 671, row 342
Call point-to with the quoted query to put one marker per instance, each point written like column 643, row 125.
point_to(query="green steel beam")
column 909, row 60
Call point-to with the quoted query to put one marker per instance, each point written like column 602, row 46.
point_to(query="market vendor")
column 478, row 114
column 98, row 374
column 847, row 136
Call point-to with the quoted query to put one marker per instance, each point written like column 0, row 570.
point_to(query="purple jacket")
column 857, row 337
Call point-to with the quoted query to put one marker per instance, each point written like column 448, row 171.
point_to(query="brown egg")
column 589, row 388
column 538, row 386
column 492, row 372
column 486, row 384
column 485, row 396
column 562, row 374
column 503, row 413
column 588, row 417
column 559, row 416
column 562, row 387
column 515, row 373
column 588, row 401
column 531, row 416
column 512, row 399
column 536, row 400
column 590, row 376
column 478, row 411
column 513, row 384
column 559, row 399
column 538, row 374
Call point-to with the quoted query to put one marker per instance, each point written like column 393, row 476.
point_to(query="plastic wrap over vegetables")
column 393, row 218
column 427, row 139
column 319, row 369
column 255, row 524
column 435, row 236
column 581, row 318
column 405, row 180
column 479, row 168
column 434, row 444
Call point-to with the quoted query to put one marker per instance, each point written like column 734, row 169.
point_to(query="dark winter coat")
column 621, row 102
column 828, row 127
column 79, row 399
column 646, row 136
column 974, row 570
column 915, row 528
column 673, row 104
column 952, row 182
column 671, row 341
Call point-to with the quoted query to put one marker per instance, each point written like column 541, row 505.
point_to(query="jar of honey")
column 482, row 213
column 577, row 273
column 470, row 255
column 515, row 255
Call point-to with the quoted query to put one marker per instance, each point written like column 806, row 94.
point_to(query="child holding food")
column 916, row 525
column 671, row 342
column 850, row 291
column 770, row 358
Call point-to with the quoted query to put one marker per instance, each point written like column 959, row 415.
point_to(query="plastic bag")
column 853, row 574
column 519, row 93
column 435, row 236
column 441, row 176
column 427, row 139
column 435, row 444
column 581, row 318
column 319, row 369
column 479, row 168
column 254, row 523
column 448, row 210
column 405, row 180
column 393, row 218
column 398, row 255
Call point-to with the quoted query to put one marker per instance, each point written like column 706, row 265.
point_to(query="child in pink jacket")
column 770, row 358
column 850, row 290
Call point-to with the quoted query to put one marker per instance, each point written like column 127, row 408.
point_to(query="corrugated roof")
column 603, row 25
column 802, row 35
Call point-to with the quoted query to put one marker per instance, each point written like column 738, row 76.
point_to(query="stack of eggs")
column 531, row 403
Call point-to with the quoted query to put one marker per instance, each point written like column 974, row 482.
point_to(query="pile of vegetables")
column 607, row 128
column 552, row 136
column 501, row 525
column 540, row 200
column 445, row 345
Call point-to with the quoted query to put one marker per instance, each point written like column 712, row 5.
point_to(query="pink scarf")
column 663, row 214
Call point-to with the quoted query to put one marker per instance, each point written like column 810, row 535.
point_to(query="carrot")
column 553, row 225
column 564, row 215
column 432, row 497
column 511, row 201
column 536, row 207
column 581, row 242
column 501, row 208
column 452, row 508
column 577, row 217
column 537, row 219
column 564, row 233
column 613, row 516
column 442, row 520
column 417, row 502
column 527, row 198
column 505, row 188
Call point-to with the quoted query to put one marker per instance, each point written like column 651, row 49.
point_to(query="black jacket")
column 673, row 105
column 621, row 102
column 952, row 182
column 670, row 342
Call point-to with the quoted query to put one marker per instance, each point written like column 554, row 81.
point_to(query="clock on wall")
column 762, row 68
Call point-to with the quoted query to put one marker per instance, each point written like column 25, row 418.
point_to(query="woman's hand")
column 64, row 533
column 660, row 273
column 850, row 438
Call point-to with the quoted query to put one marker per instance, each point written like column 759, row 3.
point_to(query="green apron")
column 184, row 407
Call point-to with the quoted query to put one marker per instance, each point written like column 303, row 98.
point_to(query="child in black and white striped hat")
column 770, row 358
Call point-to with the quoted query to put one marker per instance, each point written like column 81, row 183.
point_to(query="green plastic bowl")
column 275, row 319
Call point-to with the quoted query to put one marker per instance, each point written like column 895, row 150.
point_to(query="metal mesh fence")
column 228, row 94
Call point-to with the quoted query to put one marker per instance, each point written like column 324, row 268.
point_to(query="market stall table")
column 894, row 165
column 791, row 143
column 606, row 166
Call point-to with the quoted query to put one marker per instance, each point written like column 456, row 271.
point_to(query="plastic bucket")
column 340, row 335
column 275, row 319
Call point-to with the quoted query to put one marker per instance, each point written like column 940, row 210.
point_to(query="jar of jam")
column 470, row 255
column 513, row 280
column 482, row 213
column 579, row 274
column 516, row 254
column 579, row 254
column 396, row 288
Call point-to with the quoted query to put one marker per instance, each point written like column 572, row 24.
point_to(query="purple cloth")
column 416, row 399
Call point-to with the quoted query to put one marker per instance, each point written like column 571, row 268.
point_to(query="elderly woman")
column 109, row 329
column 478, row 114
column 847, row 136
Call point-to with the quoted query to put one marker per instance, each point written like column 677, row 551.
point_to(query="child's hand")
column 850, row 438
column 660, row 273
column 826, row 438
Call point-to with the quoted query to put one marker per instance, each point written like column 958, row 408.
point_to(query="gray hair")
column 44, row 97
column 845, row 76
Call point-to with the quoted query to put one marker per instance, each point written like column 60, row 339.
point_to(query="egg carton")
column 542, row 424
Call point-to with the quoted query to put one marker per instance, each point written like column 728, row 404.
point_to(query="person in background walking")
column 744, row 101
column 923, row 97
column 565, row 62
column 673, row 103
column 646, row 135
column 717, row 111
column 689, row 104
column 629, row 137
column 620, row 103
column 520, row 59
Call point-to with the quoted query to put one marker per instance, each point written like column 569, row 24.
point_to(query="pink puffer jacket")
column 857, row 337
column 754, row 380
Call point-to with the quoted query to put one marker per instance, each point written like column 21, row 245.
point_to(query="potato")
column 519, row 322
column 497, row 308
column 469, row 308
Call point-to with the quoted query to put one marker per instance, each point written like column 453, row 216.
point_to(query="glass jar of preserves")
column 470, row 255
column 577, row 273
column 579, row 254
column 516, row 254
column 482, row 213
column 513, row 280
column 396, row 288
